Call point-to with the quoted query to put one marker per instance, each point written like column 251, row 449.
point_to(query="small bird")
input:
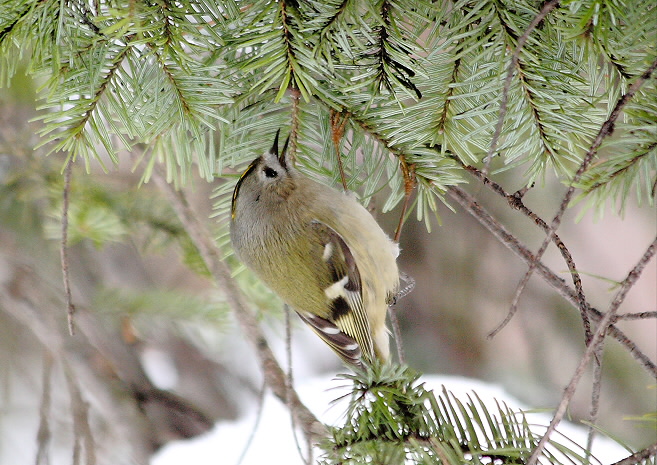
column 320, row 250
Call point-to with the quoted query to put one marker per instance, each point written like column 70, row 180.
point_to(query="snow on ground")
column 273, row 441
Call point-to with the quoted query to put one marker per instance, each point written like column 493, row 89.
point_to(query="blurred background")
column 157, row 356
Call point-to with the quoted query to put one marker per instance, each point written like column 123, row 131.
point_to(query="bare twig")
column 272, row 371
column 511, row 242
column 63, row 249
column 639, row 457
column 606, row 130
column 338, row 123
column 396, row 334
column 394, row 321
column 595, row 396
column 636, row 316
column 598, row 336
column 547, row 8
column 515, row 202
column 408, row 171
column 290, row 379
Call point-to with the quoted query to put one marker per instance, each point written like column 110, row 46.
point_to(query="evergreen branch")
column 168, row 72
column 515, row 64
column 332, row 19
column 592, row 347
column 605, row 131
column 616, row 171
column 442, row 120
column 7, row 30
column 385, row 47
column 391, row 418
column 617, row 168
column 288, row 38
column 76, row 130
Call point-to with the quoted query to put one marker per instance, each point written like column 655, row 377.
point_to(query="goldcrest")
column 320, row 250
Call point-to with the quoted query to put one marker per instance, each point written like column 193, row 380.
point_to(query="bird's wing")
column 347, row 316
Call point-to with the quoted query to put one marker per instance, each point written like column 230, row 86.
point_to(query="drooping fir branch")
column 391, row 418
column 515, row 63
column 390, row 52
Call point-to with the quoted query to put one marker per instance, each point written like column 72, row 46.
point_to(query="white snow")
column 273, row 441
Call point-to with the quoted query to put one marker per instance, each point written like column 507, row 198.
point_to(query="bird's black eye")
column 270, row 172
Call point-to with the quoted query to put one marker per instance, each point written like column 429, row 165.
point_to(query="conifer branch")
column 515, row 65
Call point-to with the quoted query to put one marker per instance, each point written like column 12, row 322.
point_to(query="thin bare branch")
column 290, row 380
column 595, row 396
column 606, row 130
column 636, row 316
column 598, row 337
column 470, row 205
column 408, row 171
column 63, row 249
column 272, row 371
column 338, row 123
column 640, row 456
column 515, row 202
column 258, row 417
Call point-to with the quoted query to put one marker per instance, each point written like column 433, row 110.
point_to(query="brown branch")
column 408, row 171
column 606, row 130
column 639, row 457
column 470, row 205
column 598, row 338
column 595, row 396
column 273, row 373
column 338, row 123
column 515, row 202
column 636, row 316
column 63, row 248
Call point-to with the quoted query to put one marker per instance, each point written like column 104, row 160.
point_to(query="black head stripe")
column 281, row 158
column 236, row 191
column 274, row 148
